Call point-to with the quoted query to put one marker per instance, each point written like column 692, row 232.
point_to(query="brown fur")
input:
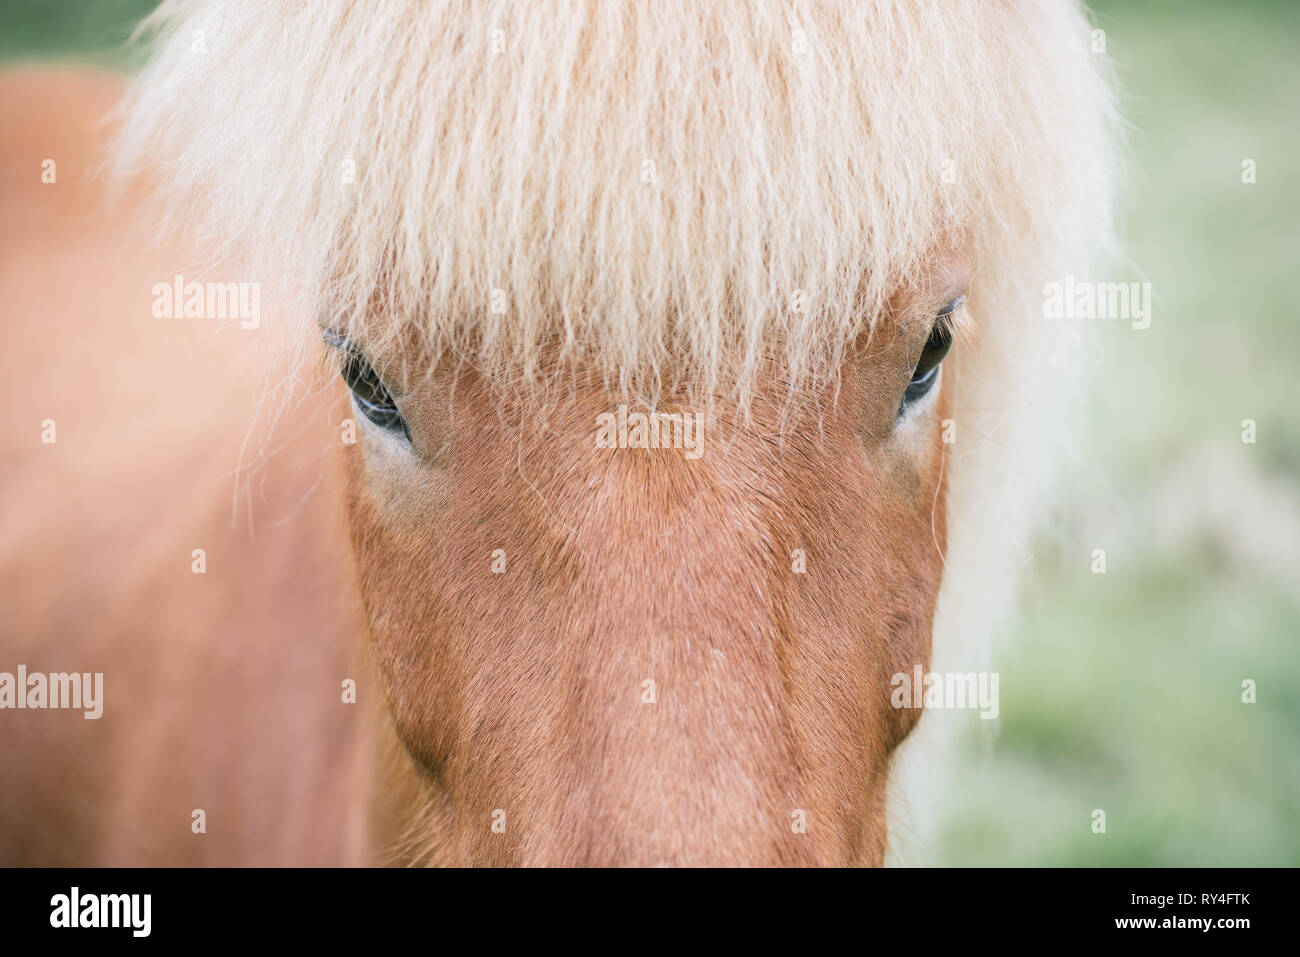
column 221, row 690
column 522, row 691
column 518, row 691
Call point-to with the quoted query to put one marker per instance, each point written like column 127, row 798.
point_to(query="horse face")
column 632, row 655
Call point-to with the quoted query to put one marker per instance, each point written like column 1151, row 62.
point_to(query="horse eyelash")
column 335, row 340
column 949, row 320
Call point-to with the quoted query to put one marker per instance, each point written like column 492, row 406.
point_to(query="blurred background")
column 1123, row 691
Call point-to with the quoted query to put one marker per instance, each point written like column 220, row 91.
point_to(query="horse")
column 530, row 434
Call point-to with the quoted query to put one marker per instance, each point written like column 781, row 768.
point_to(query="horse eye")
column 369, row 393
column 926, row 373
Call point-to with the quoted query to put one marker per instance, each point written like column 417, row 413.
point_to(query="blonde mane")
column 667, row 191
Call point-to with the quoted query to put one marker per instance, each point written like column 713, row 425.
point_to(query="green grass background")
column 1123, row 691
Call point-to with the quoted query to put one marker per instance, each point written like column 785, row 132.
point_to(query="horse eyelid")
column 951, row 307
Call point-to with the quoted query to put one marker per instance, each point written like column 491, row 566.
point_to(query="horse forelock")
column 656, row 188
